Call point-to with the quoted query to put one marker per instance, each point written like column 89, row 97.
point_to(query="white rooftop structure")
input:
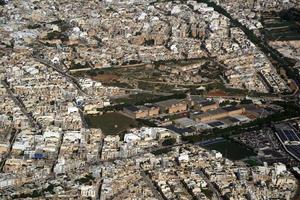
column 130, row 137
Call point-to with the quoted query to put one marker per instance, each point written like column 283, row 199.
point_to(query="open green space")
column 135, row 99
column 152, row 77
column 208, row 193
column 111, row 123
column 231, row 150
column 87, row 179
column 162, row 151
column 252, row 162
column 281, row 25
column 141, row 99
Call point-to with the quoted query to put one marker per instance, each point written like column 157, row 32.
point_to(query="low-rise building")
column 219, row 113
column 201, row 104
column 172, row 106
column 139, row 112
column 88, row 191
column 184, row 122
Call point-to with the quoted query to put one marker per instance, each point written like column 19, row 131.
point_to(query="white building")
column 216, row 154
column 279, row 168
column 88, row 191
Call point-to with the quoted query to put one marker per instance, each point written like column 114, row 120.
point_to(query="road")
column 12, row 139
column 210, row 185
column 21, row 105
column 71, row 78
column 149, row 182
column 58, row 151
column 269, row 51
column 241, row 97
column 83, row 121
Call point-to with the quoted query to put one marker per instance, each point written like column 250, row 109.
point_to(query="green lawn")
column 231, row 150
column 111, row 123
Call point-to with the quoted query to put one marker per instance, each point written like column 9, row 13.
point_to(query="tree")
column 169, row 141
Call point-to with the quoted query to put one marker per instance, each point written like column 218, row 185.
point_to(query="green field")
column 231, row 150
column 111, row 123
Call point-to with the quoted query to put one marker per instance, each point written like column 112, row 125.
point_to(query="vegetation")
column 111, row 123
column 33, row 26
column 246, row 101
column 57, row 35
column 208, row 193
column 290, row 110
column 140, row 99
column 252, row 162
column 231, row 150
column 181, row 62
column 3, row 2
column 227, row 102
column 35, row 193
column 163, row 98
column 283, row 26
column 145, row 122
column 228, row 91
column 291, row 15
column 263, row 45
column 162, row 151
column 114, row 108
column 79, row 65
column 86, row 179
column 137, row 99
column 63, row 25
column 169, row 141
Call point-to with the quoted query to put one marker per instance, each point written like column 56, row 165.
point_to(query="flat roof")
column 205, row 102
column 215, row 123
column 179, row 130
column 132, row 108
column 186, row 122
column 231, row 108
column 230, row 120
column 169, row 102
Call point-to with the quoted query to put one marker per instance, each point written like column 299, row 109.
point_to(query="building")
column 206, row 105
column 202, row 104
column 139, row 112
column 219, row 113
column 88, row 191
column 279, row 168
column 135, row 112
column 153, row 110
column 172, row 106
column 184, row 122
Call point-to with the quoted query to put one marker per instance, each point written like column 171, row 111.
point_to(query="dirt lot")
column 105, row 78
column 217, row 93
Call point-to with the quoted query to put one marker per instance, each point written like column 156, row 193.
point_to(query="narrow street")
column 210, row 185
column 21, row 105
column 149, row 182
column 13, row 134
column 71, row 78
